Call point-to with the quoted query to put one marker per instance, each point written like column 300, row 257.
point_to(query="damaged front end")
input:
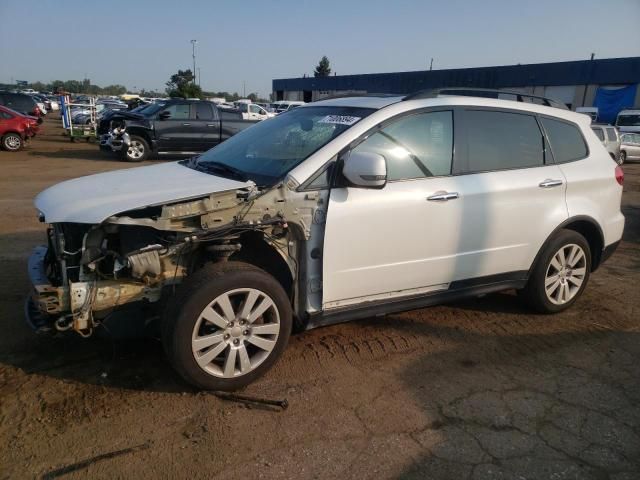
column 87, row 272
column 114, row 134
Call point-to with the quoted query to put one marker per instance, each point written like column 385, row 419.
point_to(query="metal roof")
column 610, row 71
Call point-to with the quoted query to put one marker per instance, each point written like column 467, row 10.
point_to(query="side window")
column 322, row 180
column 254, row 109
column 599, row 133
column 415, row 146
column 611, row 135
column 179, row 111
column 203, row 111
column 5, row 116
column 502, row 140
column 567, row 143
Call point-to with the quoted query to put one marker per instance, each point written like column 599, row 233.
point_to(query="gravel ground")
column 481, row 389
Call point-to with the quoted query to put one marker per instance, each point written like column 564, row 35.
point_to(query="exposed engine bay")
column 139, row 255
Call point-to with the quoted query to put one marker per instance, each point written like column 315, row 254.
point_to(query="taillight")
column 619, row 175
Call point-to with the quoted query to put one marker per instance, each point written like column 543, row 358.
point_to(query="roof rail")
column 485, row 93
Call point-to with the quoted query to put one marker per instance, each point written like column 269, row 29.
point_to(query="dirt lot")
column 479, row 389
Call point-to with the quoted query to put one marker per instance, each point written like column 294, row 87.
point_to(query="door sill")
column 457, row 290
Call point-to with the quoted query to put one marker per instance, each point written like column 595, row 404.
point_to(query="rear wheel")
column 12, row 142
column 560, row 274
column 137, row 150
column 623, row 157
column 226, row 326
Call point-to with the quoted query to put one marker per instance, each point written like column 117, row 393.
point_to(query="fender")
column 595, row 255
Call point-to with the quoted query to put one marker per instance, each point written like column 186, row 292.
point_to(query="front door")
column 436, row 221
column 176, row 132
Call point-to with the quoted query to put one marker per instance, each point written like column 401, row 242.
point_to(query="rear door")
column 207, row 125
column 177, row 133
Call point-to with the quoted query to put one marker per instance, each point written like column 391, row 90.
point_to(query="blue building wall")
column 611, row 71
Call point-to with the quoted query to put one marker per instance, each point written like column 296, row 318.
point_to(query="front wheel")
column 560, row 274
column 622, row 158
column 137, row 150
column 12, row 142
column 226, row 326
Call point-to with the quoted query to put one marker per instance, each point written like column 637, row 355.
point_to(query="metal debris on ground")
column 249, row 400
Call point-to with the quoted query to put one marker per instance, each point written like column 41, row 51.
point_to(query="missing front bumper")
column 76, row 303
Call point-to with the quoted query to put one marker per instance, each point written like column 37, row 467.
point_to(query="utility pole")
column 193, row 53
column 586, row 85
column 244, row 89
column 199, row 76
column 431, row 64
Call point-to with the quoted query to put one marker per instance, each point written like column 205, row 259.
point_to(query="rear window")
column 628, row 120
column 599, row 133
column 611, row 135
column 567, row 142
column 500, row 141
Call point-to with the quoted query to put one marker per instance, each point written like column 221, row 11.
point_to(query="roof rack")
column 485, row 93
column 347, row 95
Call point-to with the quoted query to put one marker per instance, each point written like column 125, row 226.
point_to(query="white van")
column 628, row 121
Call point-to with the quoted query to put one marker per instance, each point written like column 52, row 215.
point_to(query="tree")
column 181, row 85
column 323, row 69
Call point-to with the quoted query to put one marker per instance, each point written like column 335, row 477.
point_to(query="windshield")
column 267, row 151
column 628, row 120
column 149, row 110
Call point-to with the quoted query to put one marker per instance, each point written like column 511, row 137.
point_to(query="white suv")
column 339, row 209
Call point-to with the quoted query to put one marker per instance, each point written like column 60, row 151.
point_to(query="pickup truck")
column 175, row 127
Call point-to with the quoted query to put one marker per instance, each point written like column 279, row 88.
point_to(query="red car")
column 15, row 129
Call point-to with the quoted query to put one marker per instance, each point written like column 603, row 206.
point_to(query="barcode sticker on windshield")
column 340, row 119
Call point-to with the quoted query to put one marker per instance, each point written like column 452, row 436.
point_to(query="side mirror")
column 164, row 115
column 365, row 170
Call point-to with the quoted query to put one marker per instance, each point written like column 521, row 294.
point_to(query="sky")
column 247, row 43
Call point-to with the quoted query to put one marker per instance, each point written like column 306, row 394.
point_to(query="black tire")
column 12, row 142
column 623, row 157
column 192, row 297
column 534, row 293
column 137, row 151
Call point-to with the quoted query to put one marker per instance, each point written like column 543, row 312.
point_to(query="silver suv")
column 609, row 137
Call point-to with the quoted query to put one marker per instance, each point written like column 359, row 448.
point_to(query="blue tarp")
column 610, row 102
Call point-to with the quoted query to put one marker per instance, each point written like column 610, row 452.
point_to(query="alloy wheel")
column 565, row 274
column 12, row 142
column 135, row 149
column 235, row 333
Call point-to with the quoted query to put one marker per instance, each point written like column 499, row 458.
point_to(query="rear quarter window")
column 566, row 140
column 611, row 134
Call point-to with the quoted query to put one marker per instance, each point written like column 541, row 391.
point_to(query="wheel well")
column 256, row 251
column 140, row 133
column 593, row 235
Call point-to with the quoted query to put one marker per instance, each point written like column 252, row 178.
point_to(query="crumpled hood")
column 95, row 198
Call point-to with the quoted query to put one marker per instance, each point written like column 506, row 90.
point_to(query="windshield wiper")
column 219, row 167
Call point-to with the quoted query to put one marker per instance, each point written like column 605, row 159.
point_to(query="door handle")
column 548, row 183
column 211, row 125
column 186, row 124
column 443, row 196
